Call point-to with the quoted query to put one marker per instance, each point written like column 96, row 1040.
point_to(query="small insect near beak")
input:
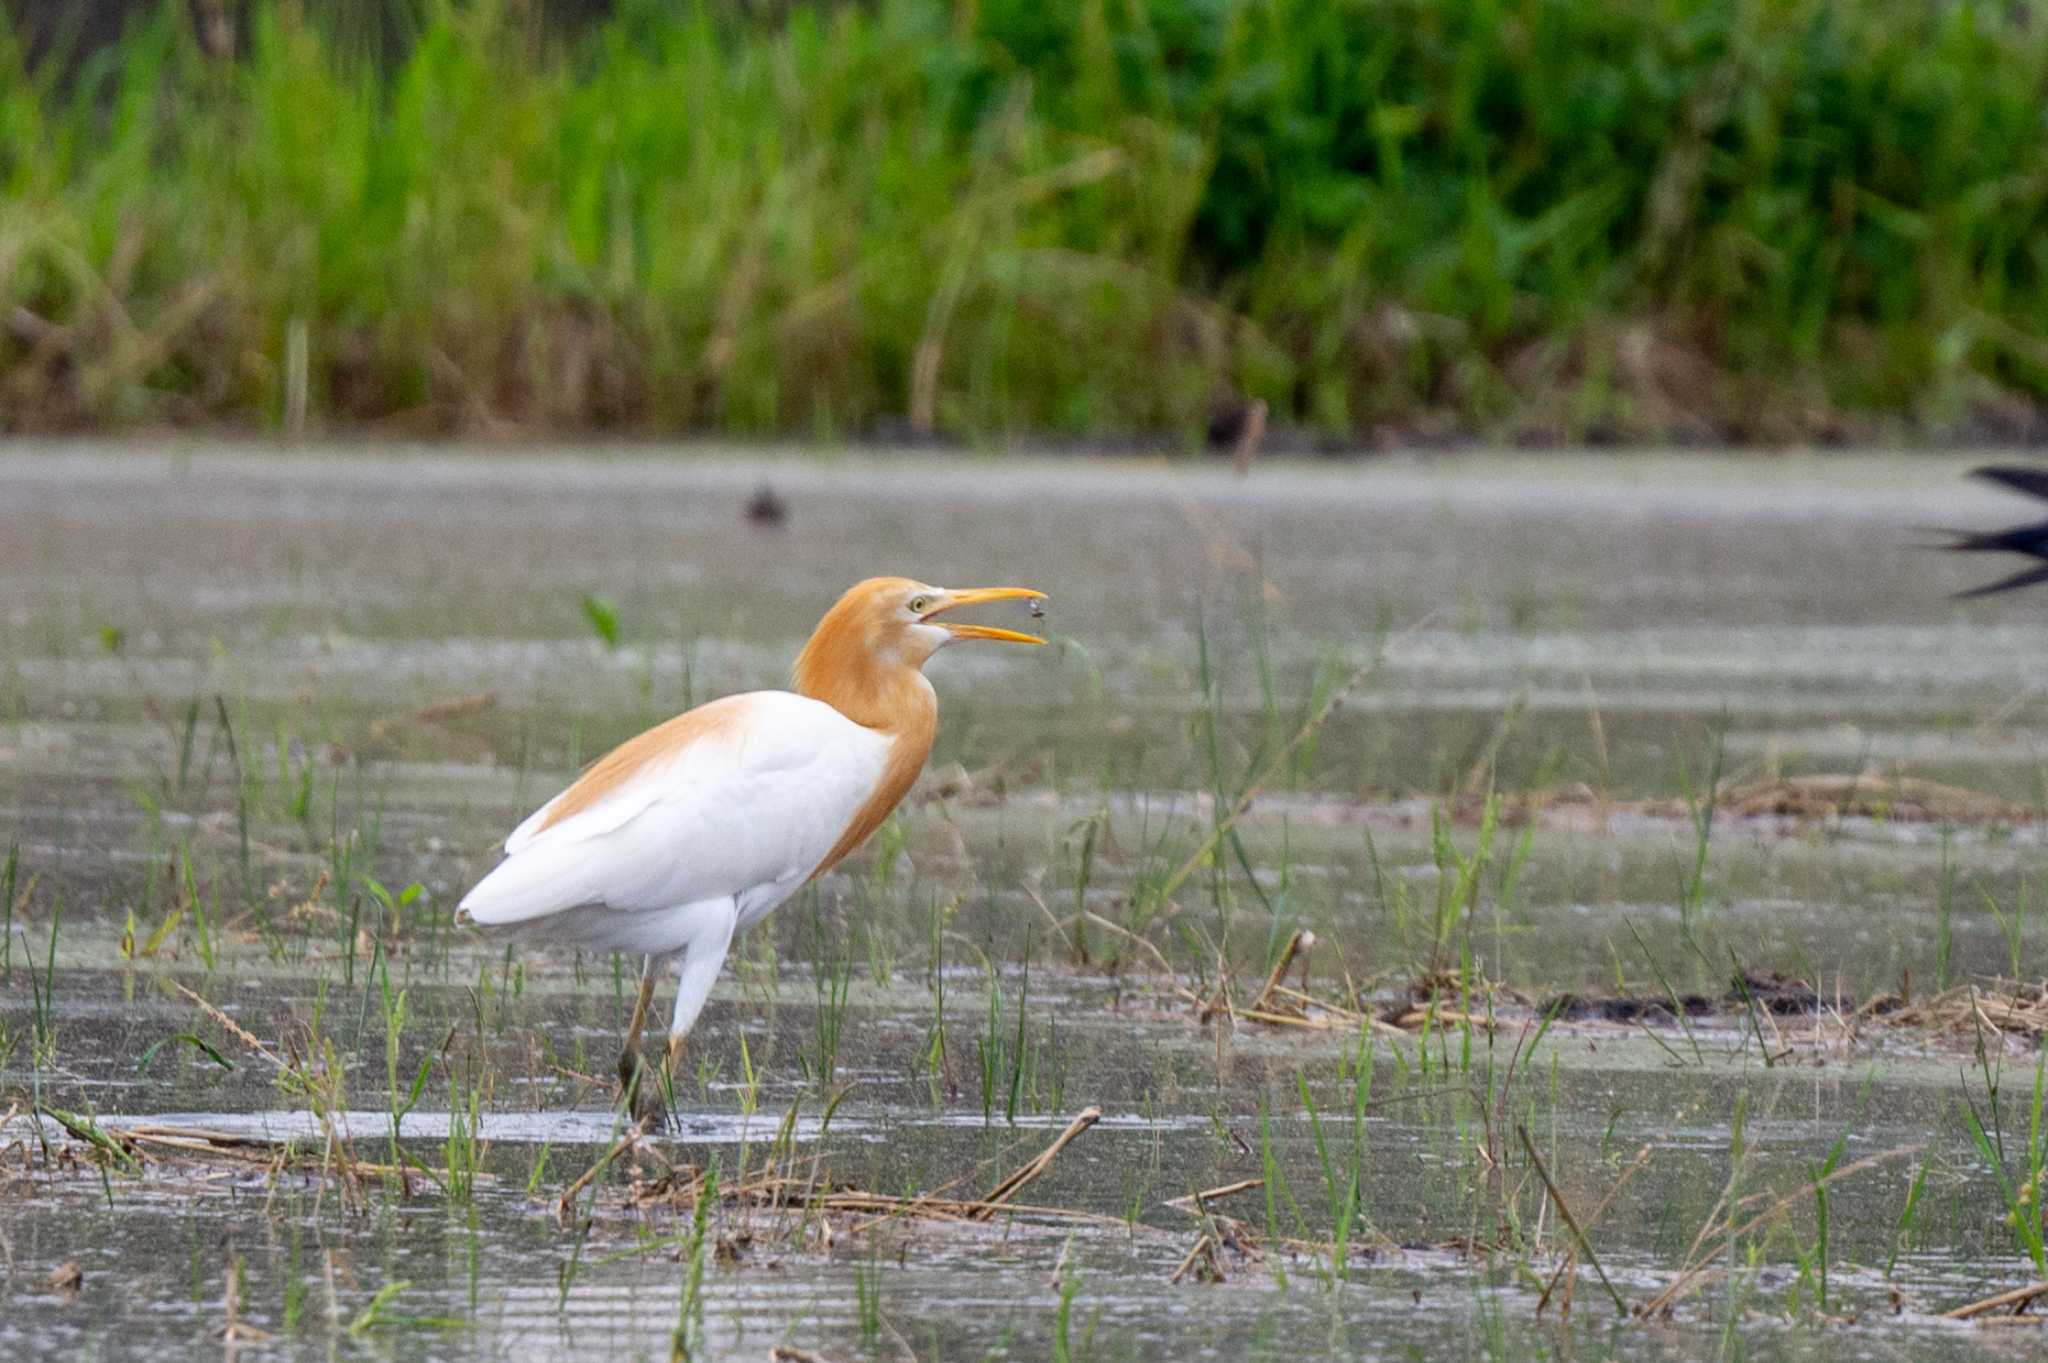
column 974, row 596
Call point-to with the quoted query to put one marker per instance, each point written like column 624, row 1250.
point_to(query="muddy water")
column 294, row 672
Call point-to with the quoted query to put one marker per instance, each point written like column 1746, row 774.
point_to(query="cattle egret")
column 2031, row 540
column 698, row 828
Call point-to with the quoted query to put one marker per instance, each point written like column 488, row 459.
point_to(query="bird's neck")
column 862, row 678
column 898, row 702
column 891, row 697
column 911, row 723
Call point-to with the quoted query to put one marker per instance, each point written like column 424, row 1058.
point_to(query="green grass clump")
column 1767, row 220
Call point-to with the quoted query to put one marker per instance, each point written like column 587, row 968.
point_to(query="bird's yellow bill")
column 974, row 596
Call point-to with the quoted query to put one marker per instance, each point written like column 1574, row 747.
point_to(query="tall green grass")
column 1767, row 219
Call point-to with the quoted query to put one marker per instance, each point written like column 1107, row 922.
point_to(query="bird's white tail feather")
column 540, row 881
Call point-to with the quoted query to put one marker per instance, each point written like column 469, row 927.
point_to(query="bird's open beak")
column 974, row 596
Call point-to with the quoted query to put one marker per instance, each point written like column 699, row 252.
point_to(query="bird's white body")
column 686, row 834
column 705, row 837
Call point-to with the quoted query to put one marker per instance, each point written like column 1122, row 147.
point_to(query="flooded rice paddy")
column 1350, row 852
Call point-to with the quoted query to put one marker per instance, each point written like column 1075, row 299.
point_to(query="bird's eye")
column 920, row 604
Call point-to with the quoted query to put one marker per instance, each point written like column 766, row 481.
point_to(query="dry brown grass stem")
column 152, row 1141
column 1228, row 1232
column 773, row 1189
column 1635, row 1167
column 1300, row 940
column 1722, row 1222
column 230, row 1026
column 2001, row 1008
column 770, row 1190
column 2018, row 1300
column 1029, row 1173
column 1564, row 1213
column 1201, row 1199
column 1203, row 1252
column 565, row 1204
column 1158, row 957
column 457, row 708
column 1870, row 794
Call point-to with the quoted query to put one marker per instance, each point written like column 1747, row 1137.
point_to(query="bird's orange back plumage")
column 715, row 720
column 850, row 663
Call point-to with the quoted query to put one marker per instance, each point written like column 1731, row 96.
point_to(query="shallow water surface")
column 264, row 714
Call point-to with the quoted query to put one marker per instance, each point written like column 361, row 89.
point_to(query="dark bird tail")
column 2031, row 540
column 2032, row 482
column 2020, row 539
column 2025, row 577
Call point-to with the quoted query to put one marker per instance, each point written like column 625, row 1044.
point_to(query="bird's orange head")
column 866, row 655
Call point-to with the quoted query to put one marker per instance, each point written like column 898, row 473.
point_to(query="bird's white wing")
column 740, row 795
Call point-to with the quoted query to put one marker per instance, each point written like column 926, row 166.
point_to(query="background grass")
column 1554, row 219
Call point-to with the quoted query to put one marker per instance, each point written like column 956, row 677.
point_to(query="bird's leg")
column 702, row 957
column 638, row 1024
column 633, row 1067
